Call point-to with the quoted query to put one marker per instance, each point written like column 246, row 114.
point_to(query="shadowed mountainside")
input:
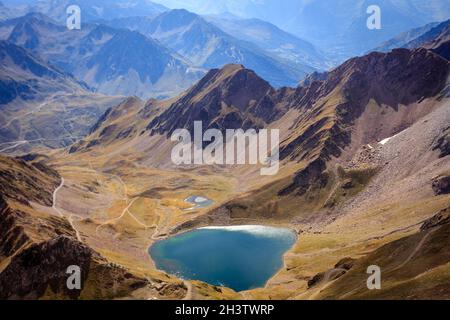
column 26, row 77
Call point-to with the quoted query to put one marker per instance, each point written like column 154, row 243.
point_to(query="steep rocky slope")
column 413, row 267
column 361, row 90
column 230, row 98
column 37, row 245
column 434, row 39
column 27, row 183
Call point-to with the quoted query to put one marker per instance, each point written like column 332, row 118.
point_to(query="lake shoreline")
column 253, row 230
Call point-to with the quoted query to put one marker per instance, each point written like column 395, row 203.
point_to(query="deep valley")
column 87, row 177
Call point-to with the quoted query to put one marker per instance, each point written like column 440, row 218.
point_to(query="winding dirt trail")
column 73, row 226
column 70, row 219
column 17, row 144
column 414, row 252
column 166, row 213
column 54, row 198
column 124, row 212
column 38, row 108
column 22, row 142
column 190, row 290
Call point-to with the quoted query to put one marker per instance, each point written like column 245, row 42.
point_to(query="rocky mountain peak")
column 228, row 98
column 387, row 80
column 235, row 84
column 399, row 77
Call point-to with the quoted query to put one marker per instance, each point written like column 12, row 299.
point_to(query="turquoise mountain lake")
column 239, row 257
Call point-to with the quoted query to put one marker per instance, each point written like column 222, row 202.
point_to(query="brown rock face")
column 229, row 98
column 42, row 267
column 439, row 219
column 12, row 234
column 441, row 185
column 338, row 271
column 443, row 144
column 311, row 177
column 40, row 271
column 401, row 77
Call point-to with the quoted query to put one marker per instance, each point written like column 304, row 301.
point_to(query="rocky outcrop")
column 441, row 185
column 315, row 76
column 13, row 236
column 439, row 219
column 338, row 271
column 40, row 271
column 443, row 144
column 229, row 98
column 313, row 176
column 43, row 266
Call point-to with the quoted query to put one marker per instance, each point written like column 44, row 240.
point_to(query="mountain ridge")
column 207, row 46
column 91, row 51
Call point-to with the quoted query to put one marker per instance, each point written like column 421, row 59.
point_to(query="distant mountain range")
column 335, row 27
column 109, row 60
column 187, row 44
column 404, row 38
column 92, row 9
column 338, row 27
column 42, row 105
column 269, row 37
column 8, row 12
column 26, row 77
column 434, row 36
column 206, row 45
